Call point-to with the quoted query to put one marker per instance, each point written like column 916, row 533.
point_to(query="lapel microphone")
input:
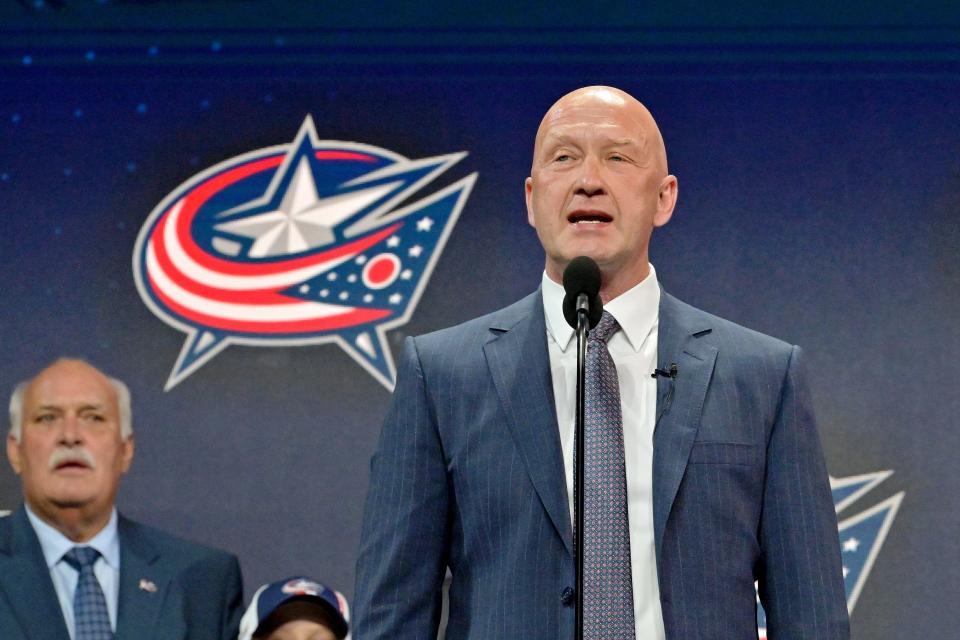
column 667, row 401
column 664, row 373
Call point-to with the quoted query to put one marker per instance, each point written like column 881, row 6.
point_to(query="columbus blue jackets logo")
column 861, row 535
column 297, row 244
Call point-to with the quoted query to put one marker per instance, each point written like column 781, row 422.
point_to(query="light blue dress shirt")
column 107, row 567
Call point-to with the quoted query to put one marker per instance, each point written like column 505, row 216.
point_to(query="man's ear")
column 528, row 195
column 128, row 450
column 13, row 453
column 666, row 201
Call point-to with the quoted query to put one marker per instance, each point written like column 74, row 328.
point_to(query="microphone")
column 582, row 309
column 663, row 373
column 581, row 280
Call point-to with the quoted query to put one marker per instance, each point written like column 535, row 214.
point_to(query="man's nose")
column 590, row 180
column 70, row 432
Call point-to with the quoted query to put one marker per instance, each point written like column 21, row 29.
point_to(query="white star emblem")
column 368, row 298
column 393, row 241
column 424, row 224
column 845, row 572
column 303, row 220
column 851, row 544
column 415, row 251
column 395, row 298
column 406, row 274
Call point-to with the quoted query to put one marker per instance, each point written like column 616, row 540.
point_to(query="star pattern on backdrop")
column 303, row 220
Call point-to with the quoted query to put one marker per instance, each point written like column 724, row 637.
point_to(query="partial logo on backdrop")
column 298, row 244
column 861, row 535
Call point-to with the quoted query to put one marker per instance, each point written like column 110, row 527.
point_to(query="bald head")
column 603, row 102
column 599, row 185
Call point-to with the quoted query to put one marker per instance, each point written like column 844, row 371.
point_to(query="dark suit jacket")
column 468, row 474
column 198, row 590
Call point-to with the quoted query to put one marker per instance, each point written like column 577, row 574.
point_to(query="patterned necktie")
column 90, row 617
column 607, row 583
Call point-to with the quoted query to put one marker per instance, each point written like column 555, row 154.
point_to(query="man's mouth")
column 65, row 459
column 68, row 465
column 589, row 217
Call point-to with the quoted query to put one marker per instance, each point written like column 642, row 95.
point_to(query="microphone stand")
column 583, row 326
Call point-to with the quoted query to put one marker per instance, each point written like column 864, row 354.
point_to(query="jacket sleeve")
column 210, row 592
column 232, row 600
column 403, row 544
column 800, row 576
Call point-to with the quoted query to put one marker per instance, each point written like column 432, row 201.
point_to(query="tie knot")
column 607, row 326
column 80, row 557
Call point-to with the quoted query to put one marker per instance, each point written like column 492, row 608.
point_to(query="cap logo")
column 301, row 587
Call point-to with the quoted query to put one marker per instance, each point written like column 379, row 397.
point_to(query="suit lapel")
column 679, row 402
column 520, row 366
column 25, row 581
column 143, row 586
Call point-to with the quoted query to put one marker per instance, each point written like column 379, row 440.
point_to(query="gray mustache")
column 65, row 455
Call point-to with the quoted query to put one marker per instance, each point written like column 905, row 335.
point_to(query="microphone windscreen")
column 582, row 275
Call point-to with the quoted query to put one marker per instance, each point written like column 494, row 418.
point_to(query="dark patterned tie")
column 607, row 584
column 91, row 620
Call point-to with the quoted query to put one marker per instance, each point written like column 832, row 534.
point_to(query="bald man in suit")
column 722, row 481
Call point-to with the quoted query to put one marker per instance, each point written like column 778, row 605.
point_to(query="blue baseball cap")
column 271, row 597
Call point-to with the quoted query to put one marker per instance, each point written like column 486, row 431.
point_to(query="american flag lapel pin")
column 148, row 585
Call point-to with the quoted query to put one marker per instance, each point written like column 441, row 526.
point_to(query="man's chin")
column 602, row 258
column 70, row 502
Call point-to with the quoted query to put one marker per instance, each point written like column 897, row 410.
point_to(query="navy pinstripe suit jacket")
column 468, row 474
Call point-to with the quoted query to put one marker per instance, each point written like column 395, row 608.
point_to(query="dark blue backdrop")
column 819, row 192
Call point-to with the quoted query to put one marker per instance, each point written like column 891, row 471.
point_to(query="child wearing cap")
column 296, row 608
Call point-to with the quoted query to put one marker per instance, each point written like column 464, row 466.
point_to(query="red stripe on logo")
column 265, row 296
column 328, row 323
column 343, row 155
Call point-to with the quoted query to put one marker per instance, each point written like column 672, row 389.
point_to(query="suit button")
column 566, row 596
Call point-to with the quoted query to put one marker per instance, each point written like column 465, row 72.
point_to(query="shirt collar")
column 636, row 311
column 54, row 544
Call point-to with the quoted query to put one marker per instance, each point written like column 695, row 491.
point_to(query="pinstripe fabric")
column 468, row 474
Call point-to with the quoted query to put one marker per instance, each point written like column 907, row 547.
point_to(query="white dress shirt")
column 107, row 567
column 634, row 352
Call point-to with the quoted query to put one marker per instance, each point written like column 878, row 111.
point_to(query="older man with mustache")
column 71, row 567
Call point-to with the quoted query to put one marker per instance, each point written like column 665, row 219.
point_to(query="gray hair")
column 119, row 388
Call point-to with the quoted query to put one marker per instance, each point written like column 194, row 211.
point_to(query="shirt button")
column 566, row 596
